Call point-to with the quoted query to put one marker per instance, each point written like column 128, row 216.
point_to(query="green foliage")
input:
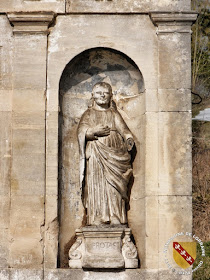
column 203, row 272
column 201, row 134
column 201, row 49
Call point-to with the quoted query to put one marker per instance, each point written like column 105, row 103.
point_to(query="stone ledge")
column 79, row 274
column 173, row 22
column 167, row 17
column 31, row 23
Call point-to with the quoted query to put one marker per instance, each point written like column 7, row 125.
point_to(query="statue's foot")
column 115, row 221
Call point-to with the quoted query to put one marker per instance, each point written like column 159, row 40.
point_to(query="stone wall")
column 39, row 209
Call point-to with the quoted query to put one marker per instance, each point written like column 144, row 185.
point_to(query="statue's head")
column 102, row 93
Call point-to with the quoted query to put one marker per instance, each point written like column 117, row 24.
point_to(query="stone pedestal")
column 103, row 247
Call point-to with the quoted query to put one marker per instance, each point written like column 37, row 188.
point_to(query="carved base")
column 103, row 247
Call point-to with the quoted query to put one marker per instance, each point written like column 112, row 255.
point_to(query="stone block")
column 4, row 250
column 6, row 53
column 151, row 100
column 26, row 217
column 151, row 154
column 174, row 100
column 5, row 152
column 175, row 215
column 27, row 187
column 51, row 210
column 52, row 100
column 26, row 274
column 136, row 221
column 51, row 243
column 4, row 210
column 106, row 6
column 52, row 122
column 26, row 253
column 5, row 100
column 57, row 6
column 134, row 274
column 152, row 236
column 30, row 65
column 28, row 100
column 174, row 153
column 174, row 70
column 28, row 141
column 25, row 120
column 4, row 274
column 51, row 180
column 30, row 167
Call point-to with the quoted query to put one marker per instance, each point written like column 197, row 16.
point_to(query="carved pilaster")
column 31, row 23
column 173, row 22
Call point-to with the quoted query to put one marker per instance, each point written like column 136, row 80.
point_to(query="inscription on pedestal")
column 102, row 246
column 106, row 245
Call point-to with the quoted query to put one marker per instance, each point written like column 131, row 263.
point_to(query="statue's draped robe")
column 105, row 167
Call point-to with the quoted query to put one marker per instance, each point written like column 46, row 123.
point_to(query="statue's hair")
column 103, row 84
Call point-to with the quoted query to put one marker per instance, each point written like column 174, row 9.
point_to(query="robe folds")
column 105, row 167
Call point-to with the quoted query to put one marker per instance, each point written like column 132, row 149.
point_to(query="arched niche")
column 78, row 78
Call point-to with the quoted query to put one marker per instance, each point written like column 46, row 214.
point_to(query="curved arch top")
column 102, row 64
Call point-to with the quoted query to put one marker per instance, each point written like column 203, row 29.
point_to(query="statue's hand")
column 100, row 131
column 130, row 143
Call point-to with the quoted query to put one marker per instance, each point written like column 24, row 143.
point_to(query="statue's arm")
column 123, row 129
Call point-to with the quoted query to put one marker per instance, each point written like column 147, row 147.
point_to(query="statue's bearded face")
column 101, row 95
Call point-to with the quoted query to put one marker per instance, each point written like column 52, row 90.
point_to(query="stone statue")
column 105, row 170
column 105, row 162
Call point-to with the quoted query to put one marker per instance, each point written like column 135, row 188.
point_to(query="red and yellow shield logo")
column 184, row 253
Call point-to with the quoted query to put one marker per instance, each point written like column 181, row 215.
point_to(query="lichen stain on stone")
column 14, row 184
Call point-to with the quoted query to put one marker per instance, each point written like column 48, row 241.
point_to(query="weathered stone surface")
column 26, row 274
column 78, row 274
column 103, row 247
column 175, row 153
column 4, row 248
column 156, row 110
column 51, row 202
column 81, row 32
column 26, row 252
column 174, row 100
column 30, row 23
column 6, row 52
column 111, row 6
column 57, row 6
column 4, row 274
column 28, row 135
column 151, row 153
column 177, row 210
column 152, row 236
column 5, row 152
column 28, row 75
column 5, row 138
column 174, row 70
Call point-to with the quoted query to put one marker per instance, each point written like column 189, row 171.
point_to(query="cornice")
column 31, row 22
column 173, row 22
